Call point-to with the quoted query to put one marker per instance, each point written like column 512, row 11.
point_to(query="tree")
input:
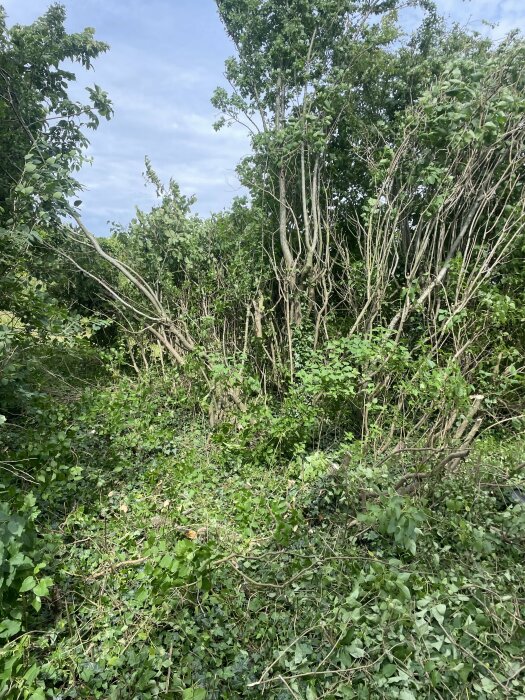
column 308, row 80
column 39, row 185
column 42, row 139
column 36, row 111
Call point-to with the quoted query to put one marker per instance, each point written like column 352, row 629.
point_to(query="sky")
column 165, row 60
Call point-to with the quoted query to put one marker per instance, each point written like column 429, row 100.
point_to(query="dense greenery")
column 277, row 453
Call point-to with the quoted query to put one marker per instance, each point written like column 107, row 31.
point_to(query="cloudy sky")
column 166, row 58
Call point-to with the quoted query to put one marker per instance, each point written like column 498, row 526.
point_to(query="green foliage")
column 188, row 562
column 20, row 585
column 42, row 139
column 285, row 512
column 397, row 518
column 41, row 127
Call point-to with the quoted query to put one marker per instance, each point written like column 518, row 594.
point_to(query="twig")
column 116, row 567
column 414, row 477
column 283, row 652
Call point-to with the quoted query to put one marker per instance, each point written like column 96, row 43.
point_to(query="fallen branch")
column 408, row 482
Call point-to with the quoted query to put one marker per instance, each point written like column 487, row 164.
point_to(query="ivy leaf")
column 388, row 670
column 194, row 694
column 438, row 612
column 487, row 685
column 407, row 695
column 356, row 652
column 16, row 525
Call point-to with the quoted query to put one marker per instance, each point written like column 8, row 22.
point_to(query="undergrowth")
column 173, row 562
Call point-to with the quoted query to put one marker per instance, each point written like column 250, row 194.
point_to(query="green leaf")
column 388, row 670
column 37, row 695
column 9, row 627
column 410, row 544
column 168, row 561
column 142, row 594
column 407, row 695
column 356, row 652
column 438, row 612
column 42, row 588
column 16, row 525
column 27, row 584
column 487, row 685
column 31, row 674
column 194, row 694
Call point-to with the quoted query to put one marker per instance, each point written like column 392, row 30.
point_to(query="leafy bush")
column 21, row 584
